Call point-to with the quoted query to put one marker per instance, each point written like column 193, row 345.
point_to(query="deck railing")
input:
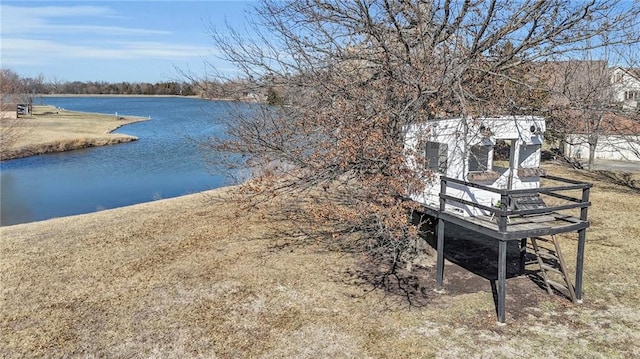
column 505, row 211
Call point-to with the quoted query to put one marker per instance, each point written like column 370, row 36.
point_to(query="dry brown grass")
column 51, row 130
column 187, row 277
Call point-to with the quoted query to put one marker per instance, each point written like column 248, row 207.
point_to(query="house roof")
column 631, row 71
column 613, row 124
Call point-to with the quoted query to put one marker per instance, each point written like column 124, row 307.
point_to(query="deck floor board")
column 552, row 222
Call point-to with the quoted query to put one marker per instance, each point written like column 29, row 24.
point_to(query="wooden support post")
column 582, row 237
column 523, row 255
column 440, row 257
column 502, row 277
column 580, row 264
column 440, row 234
column 443, row 191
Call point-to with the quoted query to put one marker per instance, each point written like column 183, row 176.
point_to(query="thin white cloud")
column 63, row 38
column 26, row 37
column 18, row 20
column 36, row 13
column 106, row 30
column 143, row 49
column 26, row 51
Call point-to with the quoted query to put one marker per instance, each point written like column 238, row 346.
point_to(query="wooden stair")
column 553, row 269
column 526, row 201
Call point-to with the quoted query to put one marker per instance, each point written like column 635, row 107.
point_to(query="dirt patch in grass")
column 50, row 129
column 186, row 278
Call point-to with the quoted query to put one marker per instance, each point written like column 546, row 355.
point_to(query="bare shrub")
column 12, row 91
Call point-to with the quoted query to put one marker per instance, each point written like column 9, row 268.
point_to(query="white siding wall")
column 620, row 148
column 459, row 135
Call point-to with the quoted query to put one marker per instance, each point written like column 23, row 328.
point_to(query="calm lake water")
column 165, row 162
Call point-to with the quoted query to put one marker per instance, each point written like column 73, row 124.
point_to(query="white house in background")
column 626, row 86
column 609, row 147
column 618, row 137
column 464, row 149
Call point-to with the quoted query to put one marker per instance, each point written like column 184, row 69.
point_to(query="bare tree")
column 12, row 92
column 355, row 74
column 56, row 85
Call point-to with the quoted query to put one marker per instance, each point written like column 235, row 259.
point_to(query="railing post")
column 585, row 199
column 582, row 237
column 443, row 190
column 502, row 218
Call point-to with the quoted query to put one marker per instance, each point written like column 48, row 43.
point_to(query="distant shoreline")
column 156, row 96
column 50, row 129
column 116, row 95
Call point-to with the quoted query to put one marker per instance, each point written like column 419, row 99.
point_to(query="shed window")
column 479, row 158
column 632, row 95
column 436, row 157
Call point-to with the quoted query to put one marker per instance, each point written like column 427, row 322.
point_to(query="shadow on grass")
column 626, row 180
column 413, row 288
column 287, row 228
column 474, row 259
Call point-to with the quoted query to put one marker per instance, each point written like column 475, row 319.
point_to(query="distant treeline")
column 120, row 88
column 23, row 89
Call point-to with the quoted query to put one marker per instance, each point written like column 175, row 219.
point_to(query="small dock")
column 520, row 215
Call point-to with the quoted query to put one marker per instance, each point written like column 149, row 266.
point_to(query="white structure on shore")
column 464, row 149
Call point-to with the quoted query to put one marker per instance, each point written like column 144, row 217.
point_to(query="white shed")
column 464, row 149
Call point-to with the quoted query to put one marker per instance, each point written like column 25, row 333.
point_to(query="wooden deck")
column 509, row 223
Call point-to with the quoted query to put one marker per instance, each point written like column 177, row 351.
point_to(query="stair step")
column 542, row 239
column 548, row 256
column 557, row 285
column 552, row 269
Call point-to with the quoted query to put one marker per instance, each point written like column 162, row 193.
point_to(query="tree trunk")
column 593, row 142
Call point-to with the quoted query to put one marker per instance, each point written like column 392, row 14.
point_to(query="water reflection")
column 13, row 208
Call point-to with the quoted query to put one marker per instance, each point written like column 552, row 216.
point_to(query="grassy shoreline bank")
column 193, row 277
column 49, row 129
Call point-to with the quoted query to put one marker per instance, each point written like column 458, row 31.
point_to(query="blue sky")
column 113, row 41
